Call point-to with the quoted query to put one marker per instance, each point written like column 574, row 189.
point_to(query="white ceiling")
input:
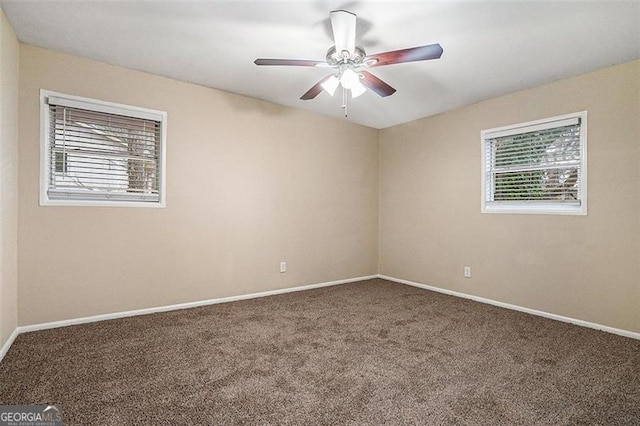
column 490, row 48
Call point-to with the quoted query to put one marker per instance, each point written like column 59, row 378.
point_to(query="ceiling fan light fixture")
column 350, row 79
column 358, row 90
column 330, row 85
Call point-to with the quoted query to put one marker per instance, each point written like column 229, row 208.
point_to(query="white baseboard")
column 8, row 343
column 582, row 323
column 115, row 315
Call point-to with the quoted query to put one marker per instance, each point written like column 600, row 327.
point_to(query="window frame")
column 98, row 106
column 535, row 207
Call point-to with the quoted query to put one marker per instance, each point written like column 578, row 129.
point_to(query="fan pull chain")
column 344, row 101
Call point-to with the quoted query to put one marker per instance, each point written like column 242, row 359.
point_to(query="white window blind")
column 104, row 153
column 536, row 166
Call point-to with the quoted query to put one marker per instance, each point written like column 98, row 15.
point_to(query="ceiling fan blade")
column 315, row 89
column 420, row 53
column 343, row 24
column 372, row 82
column 290, row 62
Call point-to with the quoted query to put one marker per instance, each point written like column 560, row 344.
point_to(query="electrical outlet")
column 467, row 271
column 283, row 267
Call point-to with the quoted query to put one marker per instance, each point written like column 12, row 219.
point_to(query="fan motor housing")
column 335, row 58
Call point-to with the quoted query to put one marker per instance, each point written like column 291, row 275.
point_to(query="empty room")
column 319, row 212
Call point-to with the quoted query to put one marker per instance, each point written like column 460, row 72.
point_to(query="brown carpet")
column 363, row 353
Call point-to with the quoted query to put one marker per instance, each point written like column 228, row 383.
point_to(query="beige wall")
column 8, row 179
column 249, row 184
column 584, row 267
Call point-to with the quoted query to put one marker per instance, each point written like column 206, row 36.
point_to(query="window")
column 100, row 153
column 536, row 167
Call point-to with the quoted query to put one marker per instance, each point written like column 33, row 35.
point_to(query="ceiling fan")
column 350, row 62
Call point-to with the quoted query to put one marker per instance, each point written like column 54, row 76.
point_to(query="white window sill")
column 101, row 203
column 536, row 209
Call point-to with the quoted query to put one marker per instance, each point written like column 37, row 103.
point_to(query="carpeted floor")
column 371, row 352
